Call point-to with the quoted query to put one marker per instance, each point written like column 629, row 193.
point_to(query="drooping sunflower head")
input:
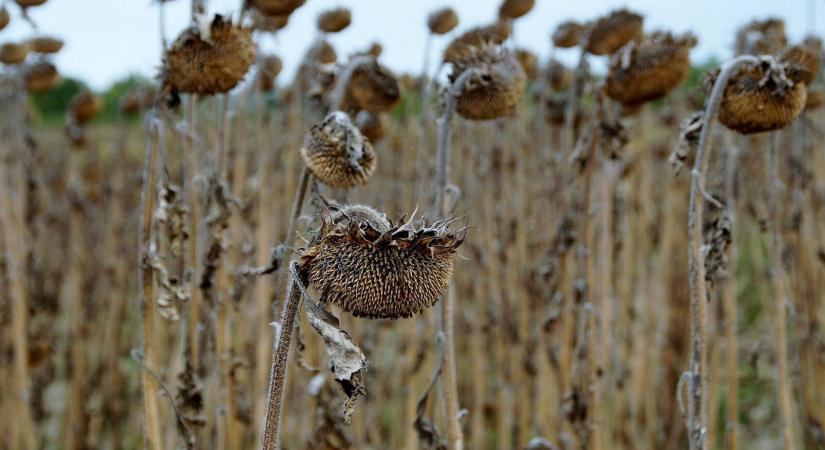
column 496, row 88
column 334, row 20
column 45, row 44
column 207, row 62
column 611, row 32
column 761, row 37
column 568, row 34
column 464, row 44
column 41, row 77
column 513, row 9
column 761, row 98
column 650, row 69
column 373, row 87
column 337, row 154
column 442, row 21
column 373, row 267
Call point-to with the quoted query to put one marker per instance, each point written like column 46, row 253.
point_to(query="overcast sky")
column 109, row 39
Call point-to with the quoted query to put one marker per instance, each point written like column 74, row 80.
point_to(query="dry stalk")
column 779, row 287
column 150, row 385
column 697, row 414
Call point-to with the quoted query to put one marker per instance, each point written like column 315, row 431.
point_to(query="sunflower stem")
column 277, row 376
column 447, row 326
column 780, row 299
column 152, row 439
column 698, row 381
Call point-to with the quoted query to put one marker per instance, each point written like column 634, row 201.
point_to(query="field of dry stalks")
column 501, row 253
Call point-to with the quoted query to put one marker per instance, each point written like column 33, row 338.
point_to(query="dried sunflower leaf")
column 346, row 360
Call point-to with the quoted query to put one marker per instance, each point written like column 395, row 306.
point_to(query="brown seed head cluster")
column 136, row 99
column 268, row 69
column 761, row 98
column 373, row 87
column 529, row 62
column 568, row 34
column 559, row 76
column 476, row 37
column 442, row 21
column 612, row 32
column 761, row 37
column 12, row 53
column 41, row 77
column 650, row 69
column 270, row 24
column 513, row 9
column 28, row 3
column 5, row 17
column 45, row 44
column 497, row 88
column 206, row 65
column 374, row 268
column 84, row 106
column 276, row 7
column 337, row 154
column 334, row 20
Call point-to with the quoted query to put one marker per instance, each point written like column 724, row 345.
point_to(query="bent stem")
column 277, row 376
column 698, row 377
column 447, row 325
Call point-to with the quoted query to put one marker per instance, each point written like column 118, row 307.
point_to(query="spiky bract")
column 372, row 267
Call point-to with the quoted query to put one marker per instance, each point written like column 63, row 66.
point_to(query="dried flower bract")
column 372, row 267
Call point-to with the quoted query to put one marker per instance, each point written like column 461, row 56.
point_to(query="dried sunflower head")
column 802, row 63
column 334, row 20
column 271, row 24
column 374, row 268
column 13, row 53
column 44, row 44
column 28, row 3
column 761, row 37
column 650, row 69
column 568, row 34
column 269, row 67
column 476, row 37
column 206, row 65
column 496, row 89
column 275, row 7
column 513, row 9
column 372, row 125
column 373, row 87
column 84, row 106
column 529, row 62
column 613, row 31
column 559, row 76
column 41, row 77
column 337, row 154
column 761, row 98
column 442, row 21
column 5, row 18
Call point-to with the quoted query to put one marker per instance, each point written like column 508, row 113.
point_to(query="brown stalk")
column 455, row 433
column 729, row 305
column 697, row 414
column 779, row 288
column 150, row 385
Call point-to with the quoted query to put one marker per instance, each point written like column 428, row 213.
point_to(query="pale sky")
column 109, row 39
